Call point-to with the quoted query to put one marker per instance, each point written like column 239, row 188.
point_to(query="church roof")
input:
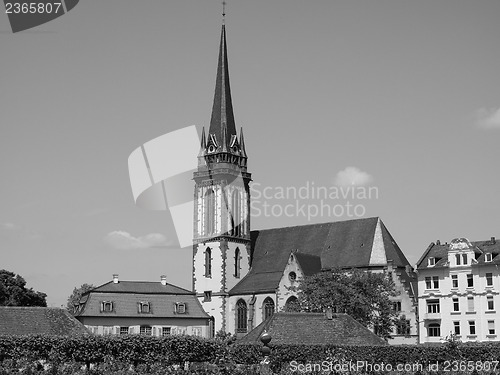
column 222, row 124
column 343, row 244
column 140, row 287
column 313, row 329
column 38, row 320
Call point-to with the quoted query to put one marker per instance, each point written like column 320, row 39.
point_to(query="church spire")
column 222, row 122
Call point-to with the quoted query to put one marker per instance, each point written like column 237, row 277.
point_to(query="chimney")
column 163, row 279
column 115, row 278
column 493, row 240
column 329, row 313
column 438, row 242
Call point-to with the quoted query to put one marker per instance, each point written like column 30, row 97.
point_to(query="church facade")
column 241, row 277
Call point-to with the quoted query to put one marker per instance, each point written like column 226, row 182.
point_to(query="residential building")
column 459, row 287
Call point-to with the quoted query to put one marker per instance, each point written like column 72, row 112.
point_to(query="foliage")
column 74, row 298
column 13, row 291
column 363, row 295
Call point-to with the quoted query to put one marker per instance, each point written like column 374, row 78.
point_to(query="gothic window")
column 241, row 316
column 292, row 304
column 208, row 262
column 236, row 214
column 237, row 262
column 268, row 307
column 209, row 212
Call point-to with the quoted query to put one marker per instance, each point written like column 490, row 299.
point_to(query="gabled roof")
column 439, row 252
column 310, row 264
column 39, row 320
column 342, row 244
column 313, row 329
column 139, row 287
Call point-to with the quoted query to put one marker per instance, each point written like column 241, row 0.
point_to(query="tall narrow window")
column 472, row 327
column 209, row 212
column 454, row 281
column 237, row 264
column 464, row 259
column 208, row 262
column 236, row 214
column 489, row 279
column 241, row 316
column 491, row 304
column 470, row 304
column 470, row 280
column 456, row 325
column 456, row 304
column 457, row 259
column 491, row 327
column 268, row 307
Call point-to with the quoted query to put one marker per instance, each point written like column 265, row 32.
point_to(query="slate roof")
column 313, row 329
column 440, row 252
column 39, row 320
column 310, row 264
column 127, row 295
column 343, row 244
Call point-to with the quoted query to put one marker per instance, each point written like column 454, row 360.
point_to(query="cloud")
column 488, row 118
column 352, row 176
column 10, row 226
column 125, row 241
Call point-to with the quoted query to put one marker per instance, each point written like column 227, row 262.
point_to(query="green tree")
column 363, row 295
column 13, row 291
column 74, row 298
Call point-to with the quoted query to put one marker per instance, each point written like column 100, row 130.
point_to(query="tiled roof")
column 310, row 264
column 127, row 305
column 38, row 320
column 313, row 329
column 140, row 287
column 440, row 253
column 343, row 244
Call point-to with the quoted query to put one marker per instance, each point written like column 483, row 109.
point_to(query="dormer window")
column 488, row 257
column 431, row 261
column 144, row 307
column 180, row 308
column 106, row 306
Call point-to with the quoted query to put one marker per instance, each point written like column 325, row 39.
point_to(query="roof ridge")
column 317, row 224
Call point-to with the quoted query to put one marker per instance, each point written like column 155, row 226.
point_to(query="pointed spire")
column 242, row 144
column 203, row 144
column 222, row 110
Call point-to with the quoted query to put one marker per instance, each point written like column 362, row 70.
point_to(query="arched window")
column 208, row 262
column 237, row 262
column 236, row 214
column 241, row 316
column 209, row 212
column 292, row 304
column 268, row 307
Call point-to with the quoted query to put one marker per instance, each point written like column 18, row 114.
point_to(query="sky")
column 397, row 98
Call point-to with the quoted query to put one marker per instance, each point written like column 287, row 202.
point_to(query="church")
column 241, row 277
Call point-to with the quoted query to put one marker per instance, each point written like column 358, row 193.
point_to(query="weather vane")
column 223, row 12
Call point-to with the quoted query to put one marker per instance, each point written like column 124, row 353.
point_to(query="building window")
column 107, row 330
column 457, row 259
column 241, row 316
column 236, row 214
column 208, row 262
column 123, row 330
column 431, row 261
column 145, row 330
column 106, row 306
column 403, row 326
column 472, row 327
column 491, row 305
column 434, row 330
column 488, row 257
column 491, row 327
column 432, row 282
column 292, row 276
column 489, row 279
column 209, row 212
column 207, row 296
column 456, row 304
column 268, row 307
column 396, row 306
column 237, row 263
column 180, row 308
column 454, row 281
column 470, row 280
column 464, row 259
column 470, row 304
column 433, row 306
column 144, row 307
column 166, row 331
column 292, row 304
column 456, row 326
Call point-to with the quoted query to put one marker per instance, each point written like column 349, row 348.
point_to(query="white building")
column 458, row 291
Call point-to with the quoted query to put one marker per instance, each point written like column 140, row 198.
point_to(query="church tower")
column 221, row 250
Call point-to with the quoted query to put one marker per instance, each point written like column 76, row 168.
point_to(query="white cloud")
column 125, row 241
column 488, row 118
column 10, row 226
column 352, row 176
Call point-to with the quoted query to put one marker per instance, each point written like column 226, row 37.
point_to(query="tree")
column 13, row 291
column 363, row 295
column 74, row 298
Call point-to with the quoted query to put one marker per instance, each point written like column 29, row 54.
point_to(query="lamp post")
column 265, row 338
